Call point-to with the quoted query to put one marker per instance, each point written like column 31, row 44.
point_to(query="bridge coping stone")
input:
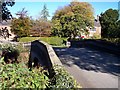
column 53, row 57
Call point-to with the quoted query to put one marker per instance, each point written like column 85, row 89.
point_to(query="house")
column 96, row 30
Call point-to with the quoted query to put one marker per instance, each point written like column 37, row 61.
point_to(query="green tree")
column 5, row 14
column 21, row 26
column 72, row 20
column 110, row 24
column 44, row 13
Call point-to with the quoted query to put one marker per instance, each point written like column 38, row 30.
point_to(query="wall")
column 45, row 55
column 98, row 44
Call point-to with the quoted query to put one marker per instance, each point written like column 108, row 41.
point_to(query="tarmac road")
column 91, row 68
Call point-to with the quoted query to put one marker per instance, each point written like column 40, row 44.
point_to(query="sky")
column 34, row 8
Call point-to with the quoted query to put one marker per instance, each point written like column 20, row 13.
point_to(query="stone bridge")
column 45, row 55
column 92, row 66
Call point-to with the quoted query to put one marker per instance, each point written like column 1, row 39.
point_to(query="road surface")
column 91, row 68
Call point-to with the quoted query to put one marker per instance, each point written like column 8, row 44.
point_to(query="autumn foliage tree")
column 41, row 28
column 73, row 19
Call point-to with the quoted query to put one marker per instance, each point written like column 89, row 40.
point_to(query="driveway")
column 91, row 68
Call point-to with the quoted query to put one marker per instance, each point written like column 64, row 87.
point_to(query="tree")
column 44, row 13
column 21, row 26
column 22, row 13
column 41, row 28
column 5, row 14
column 110, row 24
column 72, row 20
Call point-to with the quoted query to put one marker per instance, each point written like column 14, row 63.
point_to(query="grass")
column 55, row 41
column 28, row 39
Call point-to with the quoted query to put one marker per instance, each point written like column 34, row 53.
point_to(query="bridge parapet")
column 99, row 45
column 45, row 55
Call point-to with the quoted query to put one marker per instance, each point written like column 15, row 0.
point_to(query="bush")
column 18, row 76
column 112, row 40
column 18, row 47
column 63, row 79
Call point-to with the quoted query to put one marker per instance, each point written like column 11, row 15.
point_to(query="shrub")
column 112, row 40
column 18, row 76
column 18, row 47
column 63, row 79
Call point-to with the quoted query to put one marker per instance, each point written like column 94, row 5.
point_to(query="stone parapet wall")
column 42, row 51
column 53, row 57
column 45, row 55
column 99, row 45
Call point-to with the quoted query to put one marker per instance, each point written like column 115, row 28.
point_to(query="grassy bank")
column 55, row 41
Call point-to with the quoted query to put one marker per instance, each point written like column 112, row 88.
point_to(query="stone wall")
column 45, row 55
column 98, row 44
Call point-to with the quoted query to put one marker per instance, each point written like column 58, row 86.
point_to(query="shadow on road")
column 89, row 59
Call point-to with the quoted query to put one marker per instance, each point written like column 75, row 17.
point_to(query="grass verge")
column 55, row 41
